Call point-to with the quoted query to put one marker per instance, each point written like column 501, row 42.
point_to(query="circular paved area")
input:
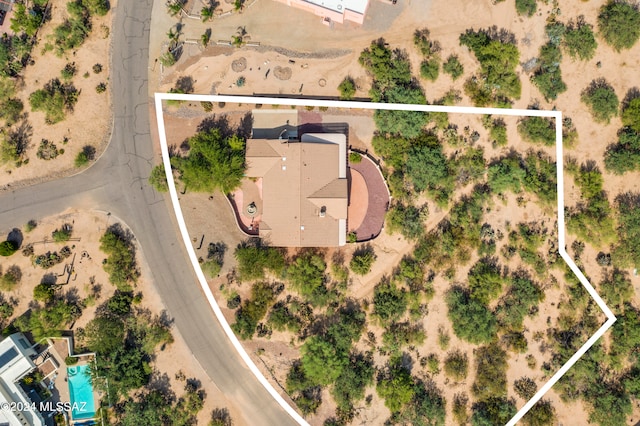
column 377, row 196
column 358, row 200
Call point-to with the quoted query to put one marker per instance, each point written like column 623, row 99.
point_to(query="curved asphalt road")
column 118, row 183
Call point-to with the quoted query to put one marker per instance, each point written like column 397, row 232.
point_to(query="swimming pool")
column 81, row 393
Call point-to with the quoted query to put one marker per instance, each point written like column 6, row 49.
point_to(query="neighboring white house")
column 333, row 10
column 16, row 362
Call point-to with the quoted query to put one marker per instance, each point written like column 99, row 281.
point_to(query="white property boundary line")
column 557, row 115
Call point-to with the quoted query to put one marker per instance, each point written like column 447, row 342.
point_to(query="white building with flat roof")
column 333, row 10
column 16, row 361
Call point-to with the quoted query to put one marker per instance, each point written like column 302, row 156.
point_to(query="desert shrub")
column 47, row 321
column 623, row 156
column 407, row 220
column 522, row 295
column 459, row 409
column 214, row 260
column 97, row 68
column 74, row 30
column 427, row 407
column 456, row 365
column 347, row 88
column 631, row 113
column 453, row 67
column 253, row 310
column 214, row 162
column 538, row 130
column 601, row 99
column 548, row 77
column 27, row 20
column 493, row 411
column 525, row 387
column 526, row 7
column 96, row 7
column 69, row 71
column 485, row 280
column 43, row 292
column 472, row 321
column 7, row 248
column 402, row 334
column 389, row 301
column 47, row 150
column 362, row 260
column 392, row 82
column 619, row 24
column 541, row 414
column 55, row 100
column 62, row 234
column 11, row 277
column 627, row 252
column 616, row 287
column 85, row 156
column 430, row 69
column 579, row 40
column 352, row 381
column 158, row 178
column 306, row 274
column 408, row 124
column 491, row 373
column 101, row 88
column 254, row 258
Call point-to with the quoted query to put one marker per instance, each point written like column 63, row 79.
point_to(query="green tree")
column 27, row 20
column 538, row 130
column 601, row 99
column 396, row 386
column 472, row 321
column 428, row 168
column 322, row 361
column 307, row 276
column 350, row 385
column 389, row 301
column 362, row 260
column 619, row 24
column 213, row 163
column 104, row 334
column 254, row 258
column 43, row 292
column 631, row 114
column 120, row 264
column 347, row 88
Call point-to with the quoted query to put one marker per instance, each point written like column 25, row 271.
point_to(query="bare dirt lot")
column 89, row 124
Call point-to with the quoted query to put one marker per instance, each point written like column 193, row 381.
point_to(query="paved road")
column 118, row 183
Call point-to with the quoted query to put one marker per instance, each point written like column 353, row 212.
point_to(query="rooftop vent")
column 323, row 211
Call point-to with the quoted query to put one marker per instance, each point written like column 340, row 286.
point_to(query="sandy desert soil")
column 88, row 227
column 322, row 58
column 90, row 124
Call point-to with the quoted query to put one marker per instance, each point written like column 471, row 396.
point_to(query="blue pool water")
column 81, row 392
